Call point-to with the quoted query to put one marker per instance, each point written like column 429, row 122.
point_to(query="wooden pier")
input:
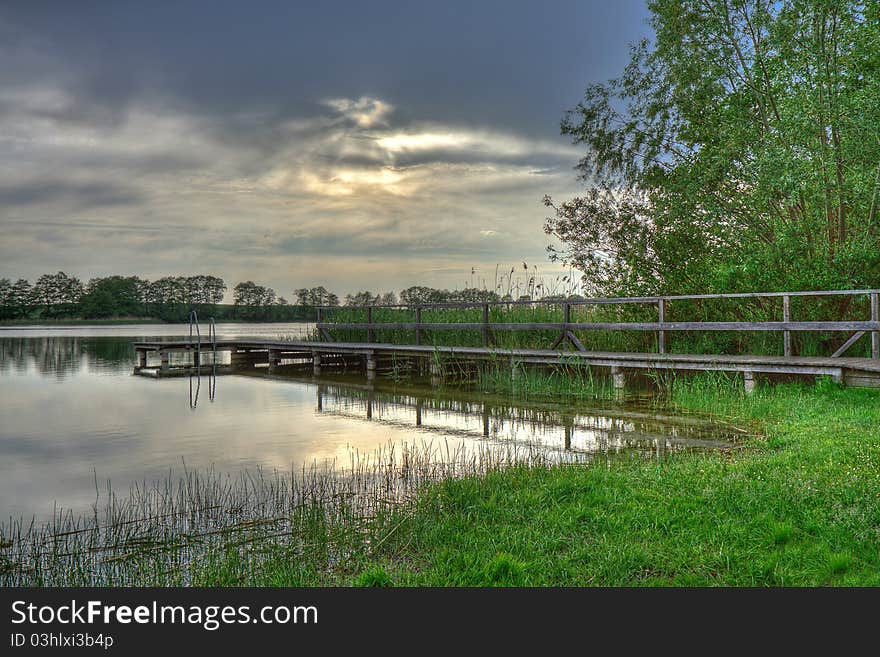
column 371, row 356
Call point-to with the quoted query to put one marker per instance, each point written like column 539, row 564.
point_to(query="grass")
column 797, row 506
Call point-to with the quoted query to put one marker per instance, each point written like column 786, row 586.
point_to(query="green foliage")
column 114, row 296
column 738, row 151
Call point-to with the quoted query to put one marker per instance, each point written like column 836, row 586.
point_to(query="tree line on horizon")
column 170, row 298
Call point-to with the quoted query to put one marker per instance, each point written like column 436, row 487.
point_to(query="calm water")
column 72, row 414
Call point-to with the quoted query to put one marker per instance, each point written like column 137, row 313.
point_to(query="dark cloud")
column 81, row 195
column 401, row 137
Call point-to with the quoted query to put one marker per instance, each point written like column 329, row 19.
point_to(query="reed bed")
column 205, row 526
column 715, row 310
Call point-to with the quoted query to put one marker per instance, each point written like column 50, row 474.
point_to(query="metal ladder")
column 212, row 335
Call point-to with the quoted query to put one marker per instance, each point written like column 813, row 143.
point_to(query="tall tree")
column 739, row 150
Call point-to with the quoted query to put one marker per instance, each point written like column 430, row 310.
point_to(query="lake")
column 73, row 417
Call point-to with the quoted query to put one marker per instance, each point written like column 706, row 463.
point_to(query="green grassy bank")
column 799, row 505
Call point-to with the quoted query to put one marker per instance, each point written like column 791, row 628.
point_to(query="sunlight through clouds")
column 352, row 180
column 365, row 112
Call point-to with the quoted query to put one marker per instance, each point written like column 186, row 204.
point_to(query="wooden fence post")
column 322, row 333
column 875, row 317
column 485, row 324
column 661, row 318
column 786, row 317
column 371, row 336
column 418, row 323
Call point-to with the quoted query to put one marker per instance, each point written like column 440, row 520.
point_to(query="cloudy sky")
column 358, row 145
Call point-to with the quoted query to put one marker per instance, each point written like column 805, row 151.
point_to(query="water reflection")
column 73, row 417
column 59, row 352
column 570, row 432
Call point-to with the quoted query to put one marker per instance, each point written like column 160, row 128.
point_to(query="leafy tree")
column 316, row 296
column 20, row 298
column 418, row 294
column 302, row 296
column 364, row 298
column 388, row 299
column 57, row 293
column 251, row 300
column 113, row 296
column 740, row 150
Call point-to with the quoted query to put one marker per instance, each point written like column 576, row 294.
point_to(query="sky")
column 356, row 145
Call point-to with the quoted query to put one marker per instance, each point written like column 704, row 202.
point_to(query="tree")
column 113, row 296
column 20, row 298
column 251, row 300
column 740, row 150
column 5, row 293
column 360, row 299
column 57, row 293
column 302, row 296
column 418, row 294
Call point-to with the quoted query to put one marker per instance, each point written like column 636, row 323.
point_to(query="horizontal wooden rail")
column 599, row 301
column 608, row 326
column 567, row 328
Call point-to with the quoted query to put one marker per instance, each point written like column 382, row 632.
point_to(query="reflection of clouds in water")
column 99, row 421
column 54, row 352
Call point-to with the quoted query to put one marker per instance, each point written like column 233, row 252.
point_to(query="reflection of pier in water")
column 570, row 433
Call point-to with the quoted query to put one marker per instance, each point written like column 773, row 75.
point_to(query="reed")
column 716, row 310
column 205, row 526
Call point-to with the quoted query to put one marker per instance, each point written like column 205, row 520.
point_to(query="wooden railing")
column 567, row 327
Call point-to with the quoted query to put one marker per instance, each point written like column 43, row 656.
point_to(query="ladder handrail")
column 212, row 381
column 212, row 334
column 194, row 319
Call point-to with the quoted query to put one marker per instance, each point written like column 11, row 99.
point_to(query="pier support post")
column 164, row 360
column 619, row 381
column 750, row 382
column 371, row 367
column 316, row 363
column 141, row 360
column 436, row 375
column 274, row 359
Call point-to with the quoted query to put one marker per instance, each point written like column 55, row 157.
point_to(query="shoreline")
column 72, row 324
column 792, row 507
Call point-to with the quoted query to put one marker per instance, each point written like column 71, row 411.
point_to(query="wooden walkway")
column 370, row 356
column 374, row 355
